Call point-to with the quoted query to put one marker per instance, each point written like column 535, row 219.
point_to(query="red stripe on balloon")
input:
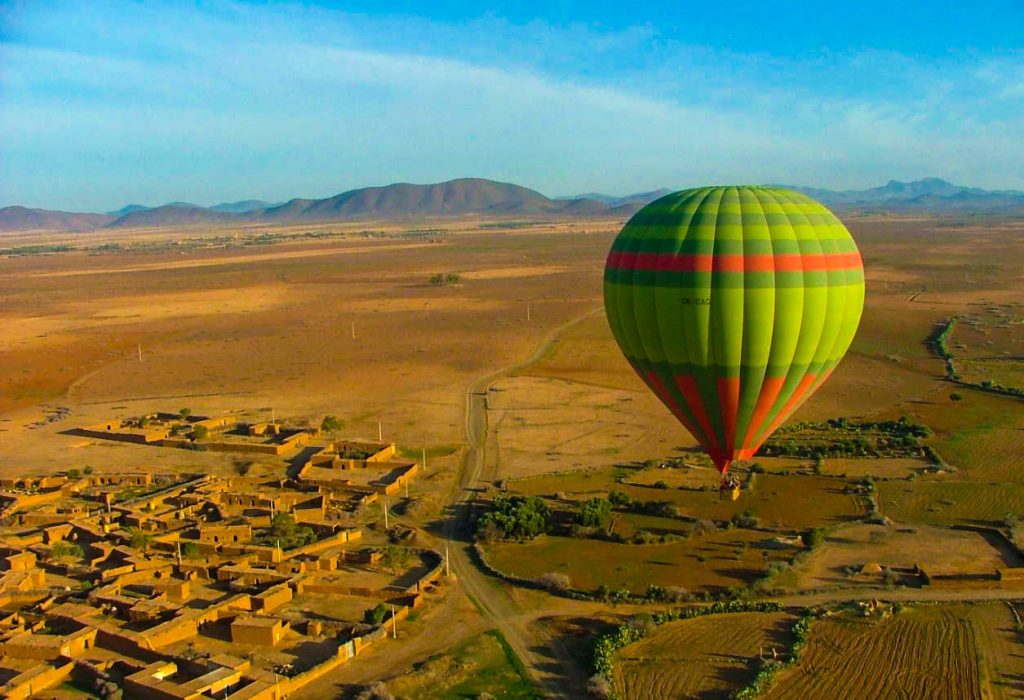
column 757, row 262
column 800, row 394
column 663, row 393
column 688, row 386
column 770, row 389
column 729, row 400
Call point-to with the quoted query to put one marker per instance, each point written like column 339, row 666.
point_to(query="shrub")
column 600, row 687
column 376, row 614
column 745, row 519
column 74, row 474
column 703, row 527
column 813, row 537
column 66, row 550
column 555, row 582
column 619, row 498
column 137, row 539
column 375, row 691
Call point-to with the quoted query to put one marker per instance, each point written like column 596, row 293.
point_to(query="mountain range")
column 476, row 196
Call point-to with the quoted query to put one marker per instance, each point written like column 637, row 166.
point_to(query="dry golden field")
column 303, row 321
column 934, row 652
column 704, row 657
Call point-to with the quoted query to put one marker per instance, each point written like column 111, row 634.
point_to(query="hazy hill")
column 932, row 195
column 244, row 206
column 172, row 215
column 464, row 196
column 25, row 219
column 128, row 209
column 478, row 196
column 616, row 201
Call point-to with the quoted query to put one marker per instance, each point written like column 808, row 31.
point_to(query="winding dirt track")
column 493, row 601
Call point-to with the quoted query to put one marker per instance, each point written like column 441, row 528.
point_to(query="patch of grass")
column 432, row 452
column 482, row 664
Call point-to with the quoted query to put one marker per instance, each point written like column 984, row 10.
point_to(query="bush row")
column 770, row 667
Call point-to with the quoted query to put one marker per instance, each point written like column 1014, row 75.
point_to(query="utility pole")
column 424, row 460
column 353, row 330
column 140, row 352
column 528, row 312
column 380, row 431
column 385, row 512
column 407, row 487
column 394, row 623
column 273, row 416
column 447, row 562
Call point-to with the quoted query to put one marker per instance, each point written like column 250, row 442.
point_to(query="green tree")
column 137, row 539
column 190, row 550
column 395, row 558
column 597, row 512
column 200, row 432
column 376, row 614
column 282, row 525
column 66, row 550
column 185, row 413
column 619, row 498
column 813, row 538
column 514, row 517
column 331, row 424
column 74, row 474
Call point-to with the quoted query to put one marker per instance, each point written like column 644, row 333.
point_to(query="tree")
column 282, row 525
column 395, row 558
column 66, row 550
column 185, row 413
column 376, row 615
column 87, row 470
column 514, row 517
column 190, row 550
column 199, row 432
column 331, row 424
column 596, row 512
column 619, row 498
column 813, row 538
column 74, row 474
column 137, row 539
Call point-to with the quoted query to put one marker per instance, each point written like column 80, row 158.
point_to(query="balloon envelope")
column 734, row 304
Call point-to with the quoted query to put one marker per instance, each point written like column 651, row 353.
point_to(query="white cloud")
column 246, row 101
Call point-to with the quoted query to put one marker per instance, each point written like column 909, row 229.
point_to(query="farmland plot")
column 704, row 657
column 928, row 652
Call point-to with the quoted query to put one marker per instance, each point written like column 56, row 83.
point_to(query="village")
column 189, row 585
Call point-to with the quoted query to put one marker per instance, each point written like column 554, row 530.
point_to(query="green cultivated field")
column 701, row 563
column 950, row 502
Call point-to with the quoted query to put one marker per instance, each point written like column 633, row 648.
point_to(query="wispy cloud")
column 142, row 103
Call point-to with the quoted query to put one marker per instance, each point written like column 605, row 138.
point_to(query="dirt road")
column 490, row 597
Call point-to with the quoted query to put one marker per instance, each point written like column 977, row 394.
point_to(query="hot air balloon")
column 733, row 304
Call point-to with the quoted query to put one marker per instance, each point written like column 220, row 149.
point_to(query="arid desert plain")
column 874, row 549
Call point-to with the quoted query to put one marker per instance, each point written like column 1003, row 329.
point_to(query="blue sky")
column 102, row 104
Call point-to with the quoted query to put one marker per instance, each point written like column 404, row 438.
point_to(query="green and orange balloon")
column 734, row 304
